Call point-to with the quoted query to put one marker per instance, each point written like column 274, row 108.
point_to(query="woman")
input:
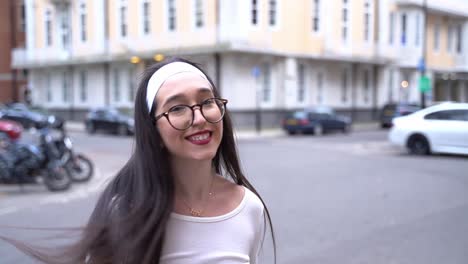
column 170, row 202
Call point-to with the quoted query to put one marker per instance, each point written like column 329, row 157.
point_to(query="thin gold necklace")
column 194, row 212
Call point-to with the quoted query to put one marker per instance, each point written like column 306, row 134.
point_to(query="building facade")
column 12, row 33
column 271, row 56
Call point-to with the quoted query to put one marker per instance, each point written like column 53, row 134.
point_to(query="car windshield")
column 299, row 115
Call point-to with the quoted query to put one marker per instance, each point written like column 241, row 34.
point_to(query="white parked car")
column 442, row 128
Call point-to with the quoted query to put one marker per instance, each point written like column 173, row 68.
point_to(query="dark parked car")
column 20, row 113
column 393, row 110
column 109, row 119
column 318, row 121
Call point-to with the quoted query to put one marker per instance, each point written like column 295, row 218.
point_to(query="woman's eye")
column 208, row 102
column 177, row 109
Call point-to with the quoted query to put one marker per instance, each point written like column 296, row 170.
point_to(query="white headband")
column 161, row 75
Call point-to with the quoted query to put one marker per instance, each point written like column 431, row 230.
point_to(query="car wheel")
column 418, row 145
column 318, row 130
column 90, row 128
column 346, row 129
column 122, row 130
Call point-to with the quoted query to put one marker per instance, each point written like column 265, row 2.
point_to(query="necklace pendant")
column 194, row 212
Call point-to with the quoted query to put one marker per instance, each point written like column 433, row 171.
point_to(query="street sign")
column 256, row 71
column 421, row 65
column 424, row 84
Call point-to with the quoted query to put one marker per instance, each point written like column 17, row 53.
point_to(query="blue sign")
column 256, row 71
column 421, row 65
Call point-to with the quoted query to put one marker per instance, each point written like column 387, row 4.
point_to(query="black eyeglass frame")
column 200, row 106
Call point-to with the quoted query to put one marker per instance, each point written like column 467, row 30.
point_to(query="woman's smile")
column 200, row 138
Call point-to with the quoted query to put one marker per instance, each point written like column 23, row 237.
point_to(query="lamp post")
column 424, row 81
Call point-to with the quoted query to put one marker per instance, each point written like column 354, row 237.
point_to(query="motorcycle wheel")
column 81, row 169
column 57, row 179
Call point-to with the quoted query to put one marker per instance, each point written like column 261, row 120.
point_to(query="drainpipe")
column 13, row 30
column 106, row 50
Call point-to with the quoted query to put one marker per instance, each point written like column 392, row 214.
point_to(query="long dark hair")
column 129, row 221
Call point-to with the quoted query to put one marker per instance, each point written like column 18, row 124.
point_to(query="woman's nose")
column 198, row 116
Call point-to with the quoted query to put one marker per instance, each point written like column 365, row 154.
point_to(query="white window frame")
column 196, row 13
column 65, row 87
column 436, row 36
column 167, row 15
column 122, row 23
column 275, row 12
column 450, row 37
column 404, row 33
column 131, row 84
column 48, row 84
column 366, row 84
column 345, row 78
column 459, row 40
column 316, row 17
column 48, row 28
column 83, row 19
column 258, row 13
column 417, row 32
column 116, row 84
column 83, row 83
column 391, row 28
column 369, row 10
column 301, row 84
column 64, row 29
column 345, row 25
column 266, row 85
column 144, row 19
column 320, row 84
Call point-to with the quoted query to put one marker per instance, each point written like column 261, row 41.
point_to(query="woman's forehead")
column 183, row 85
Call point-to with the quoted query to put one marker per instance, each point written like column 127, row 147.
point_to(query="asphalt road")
column 334, row 199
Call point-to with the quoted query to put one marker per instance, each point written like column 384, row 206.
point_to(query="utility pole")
column 422, row 66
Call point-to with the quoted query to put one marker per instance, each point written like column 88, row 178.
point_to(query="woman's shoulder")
column 241, row 195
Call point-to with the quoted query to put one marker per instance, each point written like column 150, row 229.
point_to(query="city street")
column 334, row 199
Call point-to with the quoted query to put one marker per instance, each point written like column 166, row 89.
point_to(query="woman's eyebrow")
column 177, row 97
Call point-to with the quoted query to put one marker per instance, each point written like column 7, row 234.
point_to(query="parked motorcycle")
column 80, row 167
column 27, row 163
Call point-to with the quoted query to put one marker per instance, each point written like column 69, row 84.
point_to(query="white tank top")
column 231, row 238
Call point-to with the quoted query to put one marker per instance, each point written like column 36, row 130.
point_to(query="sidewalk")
column 247, row 133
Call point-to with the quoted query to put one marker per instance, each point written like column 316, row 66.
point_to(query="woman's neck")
column 193, row 178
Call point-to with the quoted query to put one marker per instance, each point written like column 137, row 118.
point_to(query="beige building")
column 273, row 55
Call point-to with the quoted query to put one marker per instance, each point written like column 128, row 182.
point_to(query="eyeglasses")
column 181, row 117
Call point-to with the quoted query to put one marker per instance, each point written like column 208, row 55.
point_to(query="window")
column 367, row 10
column 319, row 87
column 391, row 30
column 344, row 86
column 64, row 31
column 390, row 86
column 436, row 36
column 82, row 11
column 316, row 16
column 116, row 85
column 301, row 84
column 22, row 17
column 459, row 40
column 48, row 28
column 198, row 13
column 266, row 86
column 273, row 5
column 146, row 17
column 171, row 11
column 365, row 85
column 83, row 86
column 254, row 14
column 65, row 88
column 48, row 87
column 403, row 29
column 123, row 19
column 345, row 14
column 417, row 35
column 453, row 115
column 450, row 35
column 131, row 85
